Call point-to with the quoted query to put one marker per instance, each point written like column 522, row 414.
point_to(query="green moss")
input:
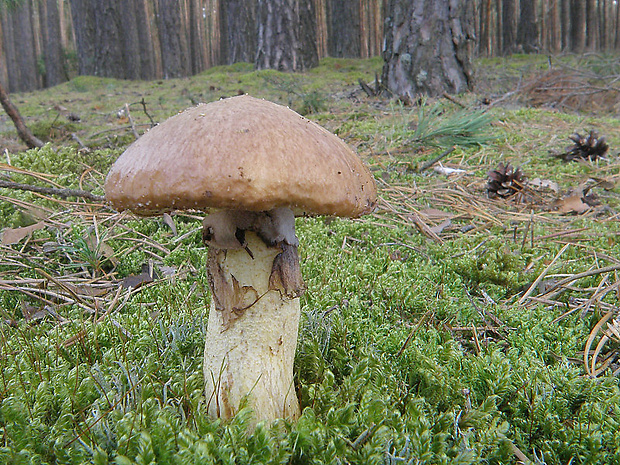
column 387, row 369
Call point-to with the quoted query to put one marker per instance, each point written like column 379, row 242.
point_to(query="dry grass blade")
column 590, row 363
column 560, row 285
column 40, row 176
column 542, row 275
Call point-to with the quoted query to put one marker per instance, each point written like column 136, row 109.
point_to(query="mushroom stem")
column 252, row 331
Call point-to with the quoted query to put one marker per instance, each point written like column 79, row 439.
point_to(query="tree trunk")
column 99, row 36
column 19, row 48
column 555, row 35
column 578, row 25
column 238, row 31
column 592, row 31
column 527, row 34
column 497, row 37
column 509, row 15
column 22, row 130
column 484, row 47
column 146, row 49
column 428, row 47
column 128, row 39
column 55, row 72
column 84, row 29
column 565, row 24
column 286, row 35
column 343, row 28
column 617, row 36
column 174, row 52
column 196, row 38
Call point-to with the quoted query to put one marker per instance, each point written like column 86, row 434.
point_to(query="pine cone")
column 587, row 147
column 505, row 181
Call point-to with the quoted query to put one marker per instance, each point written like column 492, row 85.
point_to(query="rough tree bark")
column 565, row 24
column 555, row 33
column 99, row 37
column 527, row 32
column 54, row 67
column 617, row 36
column 196, row 37
column 174, row 52
column 286, row 35
column 237, row 31
column 509, row 37
column 148, row 62
column 343, row 29
column 485, row 47
column 592, row 20
column 578, row 25
column 22, row 130
column 129, row 39
column 19, row 47
column 428, row 47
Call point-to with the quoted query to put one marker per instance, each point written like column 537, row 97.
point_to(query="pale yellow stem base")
column 251, row 339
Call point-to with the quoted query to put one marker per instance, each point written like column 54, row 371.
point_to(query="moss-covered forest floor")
column 449, row 326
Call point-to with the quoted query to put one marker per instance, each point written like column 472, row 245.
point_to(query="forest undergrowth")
column 471, row 318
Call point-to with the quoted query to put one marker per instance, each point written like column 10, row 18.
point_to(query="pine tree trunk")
column 617, row 36
column 555, row 41
column 343, row 28
column 592, row 18
column 286, row 35
column 196, row 38
column 84, row 30
column 98, row 33
column 19, row 48
column 129, row 40
column 578, row 25
column 54, row 67
column 527, row 34
column 509, row 15
column 428, row 47
column 484, row 47
column 237, row 31
column 566, row 24
column 146, row 48
column 174, row 51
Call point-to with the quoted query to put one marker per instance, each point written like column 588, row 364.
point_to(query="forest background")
column 45, row 43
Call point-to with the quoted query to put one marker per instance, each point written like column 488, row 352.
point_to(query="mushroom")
column 254, row 165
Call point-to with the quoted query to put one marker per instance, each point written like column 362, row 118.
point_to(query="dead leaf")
column 438, row 229
column 167, row 271
column 571, row 204
column 538, row 183
column 87, row 290
column 14, row 235
column 135, row 281
column 148, row 275
column 32, row 313
column 168, row 221
column 104, row 249
column 36, row 213
column 604, row 184
column 435, row 214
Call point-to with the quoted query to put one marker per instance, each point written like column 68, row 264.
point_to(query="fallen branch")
column 131, row 122
column 22, row 130
column 64, row 193
column 430, row 163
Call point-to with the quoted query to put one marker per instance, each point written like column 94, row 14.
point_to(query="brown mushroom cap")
column 241, row 153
